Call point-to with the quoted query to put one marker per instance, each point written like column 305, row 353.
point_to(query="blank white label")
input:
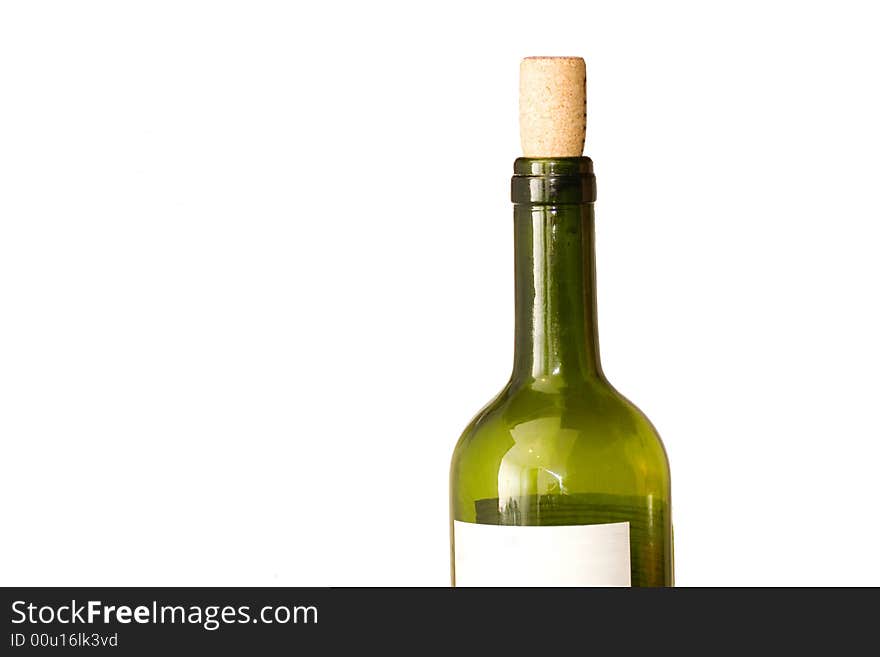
column 573, row 555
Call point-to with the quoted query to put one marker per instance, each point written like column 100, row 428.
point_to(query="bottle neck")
column 556, row 343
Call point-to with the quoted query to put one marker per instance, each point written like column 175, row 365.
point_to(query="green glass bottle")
column 560, row 480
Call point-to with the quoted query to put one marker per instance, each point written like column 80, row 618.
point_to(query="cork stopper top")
column 552, row 106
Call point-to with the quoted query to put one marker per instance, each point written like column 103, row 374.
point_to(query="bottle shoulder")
column 572, row 429
column 594, row 408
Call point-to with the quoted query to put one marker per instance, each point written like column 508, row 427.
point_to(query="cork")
column 552, row 106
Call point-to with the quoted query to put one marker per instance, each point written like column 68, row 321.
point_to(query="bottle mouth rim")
column 553, row 181
column 552, row 166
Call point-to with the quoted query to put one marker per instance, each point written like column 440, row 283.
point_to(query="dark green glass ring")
column 556, row 181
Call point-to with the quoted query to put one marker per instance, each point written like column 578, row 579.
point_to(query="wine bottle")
column 560, row 480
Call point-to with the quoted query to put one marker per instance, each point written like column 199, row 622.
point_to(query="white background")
column 256, row 276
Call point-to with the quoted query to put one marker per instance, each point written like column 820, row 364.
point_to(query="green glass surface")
column 559, row 445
